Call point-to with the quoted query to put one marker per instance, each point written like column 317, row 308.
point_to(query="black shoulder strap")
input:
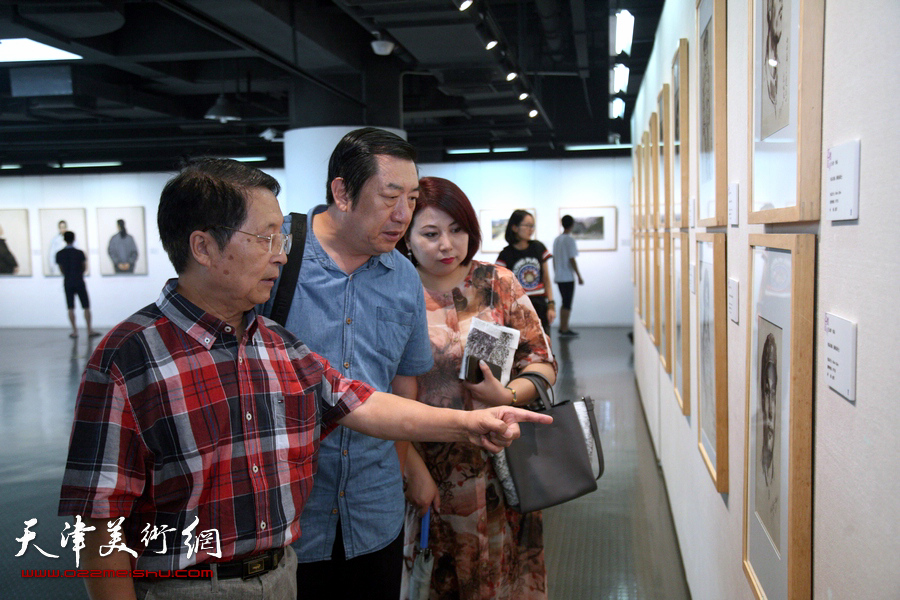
column 291, row 270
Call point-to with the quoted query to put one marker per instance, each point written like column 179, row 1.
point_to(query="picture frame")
column 665, row 157
column 664, row 253
column 712, row 357
column 655, row 209
column 492, row 222
column 712, row 147
column 681, row 172
column 53, row 223
column 785, row 82
column 649, row 215
column 595, row 228
column 15, row 243
column 639, row 185
column 778, row 449
column 681, row 319
column 649, row 304
column 640, row 277
column 122, row 242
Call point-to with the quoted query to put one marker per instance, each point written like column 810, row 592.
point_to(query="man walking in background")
column 564, row 271
column 72, row 264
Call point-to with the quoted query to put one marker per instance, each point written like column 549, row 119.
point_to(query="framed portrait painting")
column 493, row 227
column 712, row 192
column 777, row 523
column 786, row 46
column 15, row 243
column 54, row 222
column 595, row 227
column 123, row 241
column 681, row 180
column 712, row 359
column 681, row 319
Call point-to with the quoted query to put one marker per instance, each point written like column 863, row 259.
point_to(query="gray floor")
column 617, row 543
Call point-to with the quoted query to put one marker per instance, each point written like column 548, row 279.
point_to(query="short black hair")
column 69, row 236
column 209, row 194
column 567, row 221
column 354, row 158
column 515, row 219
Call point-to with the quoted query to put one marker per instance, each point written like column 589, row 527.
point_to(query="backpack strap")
column 287, row 282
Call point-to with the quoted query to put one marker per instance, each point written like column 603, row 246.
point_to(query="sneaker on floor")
column 568, row 333
column 94, row 334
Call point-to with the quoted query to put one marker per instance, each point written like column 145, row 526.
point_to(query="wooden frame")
column 639, row 186
column 654, row 173
column 596, row 228
column 785, row 77
column 681, row 171
column 50, row 220
column 493, row 227
column 681, row 320
column 640, row 275
column 15, row 239
column 649, row 313
column 665, row 158
column 712, row 357
column 777, row 534
column 712, row 147
column 648, row 193
column 133, row 217
column 664, row 252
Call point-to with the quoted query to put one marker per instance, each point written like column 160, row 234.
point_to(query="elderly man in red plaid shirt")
column 197, row 422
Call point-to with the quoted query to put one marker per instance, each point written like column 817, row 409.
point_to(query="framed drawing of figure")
column 777, row 519
column 15, row 243
column 664, row 142
column 786, row 45
column 712, row 367
column 123, row 241
column 681, row 319
column 712, row 192
column 54, row 222
column 681, row 179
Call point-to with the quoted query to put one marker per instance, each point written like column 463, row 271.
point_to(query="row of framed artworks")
column 595, row 228
column 785, row 154
column 121, row 230
column 780, row 312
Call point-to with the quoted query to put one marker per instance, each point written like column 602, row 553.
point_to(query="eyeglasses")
column 524, row 226
column 277, row 240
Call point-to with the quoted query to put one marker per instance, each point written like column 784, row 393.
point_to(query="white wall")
column 856, row 494
column 547, row 185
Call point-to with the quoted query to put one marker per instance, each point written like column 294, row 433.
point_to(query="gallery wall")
column 853, row 527
column 38, row 301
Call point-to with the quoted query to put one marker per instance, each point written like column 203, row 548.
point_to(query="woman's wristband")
column 551, row 303
column 513, row 403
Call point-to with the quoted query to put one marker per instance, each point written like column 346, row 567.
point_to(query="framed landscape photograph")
column 712, row 184
column 786, row 46
column 123, row 241
column 54, row 222
column 712, row 357
column 681, row 319
column 595, row 227
column 777, row 519
column 493, row 227
column 681, row 180
column 665, row 158
column 664, row 253
column 15, row 243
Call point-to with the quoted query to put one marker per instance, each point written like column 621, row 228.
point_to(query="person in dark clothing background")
column 72, row 264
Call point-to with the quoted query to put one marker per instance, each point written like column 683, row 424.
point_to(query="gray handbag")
column 552, row 464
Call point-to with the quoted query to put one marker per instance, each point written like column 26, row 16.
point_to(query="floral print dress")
column 482, row 549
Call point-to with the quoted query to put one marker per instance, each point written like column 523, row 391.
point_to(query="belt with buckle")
column 253, row 566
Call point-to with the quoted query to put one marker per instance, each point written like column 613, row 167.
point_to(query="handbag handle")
column 546, row 397
column 589, row 405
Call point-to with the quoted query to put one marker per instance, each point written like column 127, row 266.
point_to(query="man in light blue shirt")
column 565, row 268
column 359, row 303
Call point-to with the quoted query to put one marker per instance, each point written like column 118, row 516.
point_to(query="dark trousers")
column 540, row 307
column 373, row 576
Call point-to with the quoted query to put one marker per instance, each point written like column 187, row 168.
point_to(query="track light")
column 523, row 96
column 223, row 111
column 533, row 113
column 620, row 78
column 624, row 32
column 382, row 47
column 491, row 45
column 616, row 108
column 463, row 5
column 511, row 75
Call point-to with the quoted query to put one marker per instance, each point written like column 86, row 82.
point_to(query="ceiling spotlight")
column 223, row 111
column 464, row 4
column 617, row 108
column 620, row 78
column 382, row 47
column 271, row 135
column 533, row 113
column 523, row 96
column 511, row 75
column 624, row 32
column 491, row 45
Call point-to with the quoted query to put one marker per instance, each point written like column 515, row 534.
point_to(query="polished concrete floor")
column 616, row 543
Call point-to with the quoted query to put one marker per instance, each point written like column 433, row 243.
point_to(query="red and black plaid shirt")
column 177, row 419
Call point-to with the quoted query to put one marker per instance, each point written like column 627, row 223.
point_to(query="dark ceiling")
column 152, row 69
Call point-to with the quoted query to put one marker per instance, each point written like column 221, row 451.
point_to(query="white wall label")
column 733, row 299
column 840, row 355
column 733, row 196
column 691, row 278
column 842, row 182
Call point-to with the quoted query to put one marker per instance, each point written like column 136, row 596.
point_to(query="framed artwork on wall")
column 54, row 222
column 493, row 227
column 123, row 241
column 786, row 46
column 648, row 183
column 681, row 319
column 649, row 305
column 681, row 180
column 595, row 227
column 639, row 186
column 639, row 245
column 712, row 359
column 664, row 252
column 15, row 242
column 712, row 184
column 777, row 541
column 665, row 158
column 655, row 209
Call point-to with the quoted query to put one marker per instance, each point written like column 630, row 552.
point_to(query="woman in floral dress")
column 483, row 550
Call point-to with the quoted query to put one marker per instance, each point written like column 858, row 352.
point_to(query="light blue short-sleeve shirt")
column 371, row 326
